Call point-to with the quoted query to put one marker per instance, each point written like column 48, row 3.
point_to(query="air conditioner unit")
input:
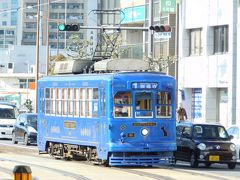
column 10, row 67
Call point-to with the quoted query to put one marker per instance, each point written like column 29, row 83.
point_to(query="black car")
column 25, row 129
column 204, row 143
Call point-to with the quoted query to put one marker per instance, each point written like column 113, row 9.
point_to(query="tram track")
column 141, row 171
column 6, row 171
column 32, row 152
column 144, row 172
column 61, row 172
column 165, row 177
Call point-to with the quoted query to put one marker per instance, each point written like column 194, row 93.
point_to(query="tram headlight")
column 144, row 132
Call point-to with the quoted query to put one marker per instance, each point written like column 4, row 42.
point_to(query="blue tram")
column 119, row 119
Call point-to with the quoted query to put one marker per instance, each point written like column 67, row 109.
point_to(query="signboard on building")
column 133, row 14
column 168, row 6
column 131, row 3
column 162, row 35
column 197, row 103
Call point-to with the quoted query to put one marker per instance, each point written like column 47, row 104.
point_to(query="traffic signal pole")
column 114, row 28
column 150, row 33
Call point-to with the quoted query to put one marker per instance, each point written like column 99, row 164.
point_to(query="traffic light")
column 68, row 27
column 162, row 28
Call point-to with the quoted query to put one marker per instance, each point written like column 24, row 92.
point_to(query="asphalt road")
column 45, row 167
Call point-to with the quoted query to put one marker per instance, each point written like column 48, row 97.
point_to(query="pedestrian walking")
column 181, row 113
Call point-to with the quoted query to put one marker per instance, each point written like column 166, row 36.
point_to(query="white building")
column 17, row 88
column 208, row 73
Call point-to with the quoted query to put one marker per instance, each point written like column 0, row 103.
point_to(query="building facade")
column 208, row 74
column 68, row 12
column 8, row 22
column 135, row 13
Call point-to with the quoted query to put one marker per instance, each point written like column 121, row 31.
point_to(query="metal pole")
column 47, row 33
column 37, row 56
column 58, row 36
column 65, row 39
column 176, row 51
column 115, row 28
column 150, row 33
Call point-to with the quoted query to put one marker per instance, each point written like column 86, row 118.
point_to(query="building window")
column 31, row 25
column 25, row 83
column 195, row 42
column 220, row 39
column 4, row 23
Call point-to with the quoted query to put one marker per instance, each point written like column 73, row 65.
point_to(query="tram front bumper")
column 142, row 147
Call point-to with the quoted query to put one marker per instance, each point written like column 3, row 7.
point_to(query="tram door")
column 41, row 121
column 102, row 125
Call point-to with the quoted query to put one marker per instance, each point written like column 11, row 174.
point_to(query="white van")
column 8, row 115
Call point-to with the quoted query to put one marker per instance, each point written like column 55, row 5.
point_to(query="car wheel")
column 231, row 165
column 26, row 140
column 14, row 138
column 173, row 160
column 193, row 160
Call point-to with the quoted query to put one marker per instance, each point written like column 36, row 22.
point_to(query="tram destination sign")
column 141, row 85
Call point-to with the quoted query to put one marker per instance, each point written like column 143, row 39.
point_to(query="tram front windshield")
column 142, row 105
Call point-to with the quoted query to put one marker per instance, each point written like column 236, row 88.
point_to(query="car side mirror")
column 231, row 137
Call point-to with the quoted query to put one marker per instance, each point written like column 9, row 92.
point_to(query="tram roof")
column 146, row 75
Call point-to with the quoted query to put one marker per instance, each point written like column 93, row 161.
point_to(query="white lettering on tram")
column 55, row 129
column 85, row 132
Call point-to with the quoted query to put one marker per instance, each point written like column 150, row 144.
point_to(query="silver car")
column 235, row 132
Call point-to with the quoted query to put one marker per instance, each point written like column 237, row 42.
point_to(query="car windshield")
column 7, row 113
column 32, row 121
column 209, row 132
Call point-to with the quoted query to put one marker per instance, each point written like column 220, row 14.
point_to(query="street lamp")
column 37, row 56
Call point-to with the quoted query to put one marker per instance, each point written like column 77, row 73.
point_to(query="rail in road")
column 47, row 171
column 46, row 167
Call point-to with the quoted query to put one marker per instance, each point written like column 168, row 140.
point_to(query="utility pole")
column 37, row 56
column 47, row 43
column 176, row 50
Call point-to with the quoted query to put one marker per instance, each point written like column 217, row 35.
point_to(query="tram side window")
column 53, row 100
column 83, row 102
column 89, row 102
column 164, row 105
column 64, row 101
column 123, row 104
column 70, row 101
column 48, row 101
column 76, row 102
column 58, row 102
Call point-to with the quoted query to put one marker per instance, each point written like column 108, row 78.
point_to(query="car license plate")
column 214, row 158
